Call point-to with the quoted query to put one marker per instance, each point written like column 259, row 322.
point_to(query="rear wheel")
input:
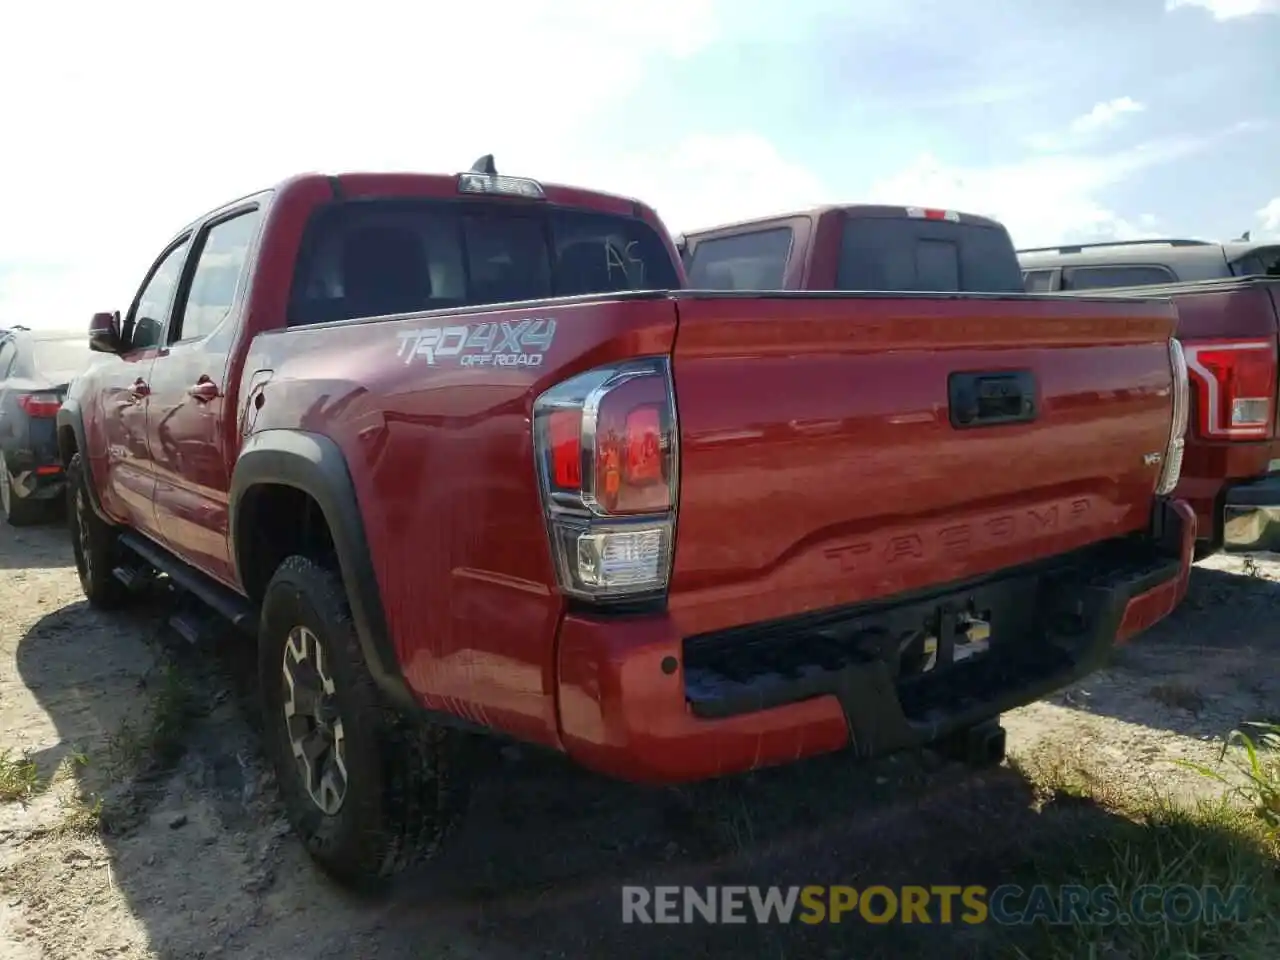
column 18, row 511
column 368, row 791
column 94, row 542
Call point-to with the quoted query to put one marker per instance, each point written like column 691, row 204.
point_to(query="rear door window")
column 374, row 258
column 912, row 254
column 1120, row 275
column 745, row 261
column 224, row 250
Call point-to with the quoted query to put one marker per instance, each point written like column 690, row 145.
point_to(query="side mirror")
column 104, row 333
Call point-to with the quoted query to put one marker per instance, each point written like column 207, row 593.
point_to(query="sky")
column 1067, row 120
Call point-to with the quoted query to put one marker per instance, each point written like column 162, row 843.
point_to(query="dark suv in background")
column 35, row 368
column 1141, row 263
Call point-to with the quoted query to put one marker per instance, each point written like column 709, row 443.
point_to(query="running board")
column 223, row 600
column 133, row 578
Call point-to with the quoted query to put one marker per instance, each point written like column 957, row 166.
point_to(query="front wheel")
column 368, row 791
column 94, row 542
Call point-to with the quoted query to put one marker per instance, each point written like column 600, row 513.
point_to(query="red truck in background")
column 1228, row 302
column 464, row 458
column 855, row 247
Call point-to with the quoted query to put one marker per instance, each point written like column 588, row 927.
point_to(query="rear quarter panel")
column 441, row 458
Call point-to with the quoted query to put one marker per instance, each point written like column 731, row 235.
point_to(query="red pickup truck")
column 463, row 456
column 1228, row 301
column 855, row 247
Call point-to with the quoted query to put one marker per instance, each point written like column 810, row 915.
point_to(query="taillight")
column 1172, row 470
column 39, row 404
column 1235, row 383
column 606, row 447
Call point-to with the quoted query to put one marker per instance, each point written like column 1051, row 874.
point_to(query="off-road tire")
column 19, row 511
column 406, row 787
column 95, row 543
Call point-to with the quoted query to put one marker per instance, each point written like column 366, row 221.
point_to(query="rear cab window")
column 1259, row 263
column 756, row 260
column 897, row 252
column 371, row 258
column 1116, row 275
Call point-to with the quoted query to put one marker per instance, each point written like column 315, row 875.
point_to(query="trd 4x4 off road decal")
column 505, row 343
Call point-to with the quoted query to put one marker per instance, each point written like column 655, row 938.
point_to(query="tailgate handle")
column 989, row 399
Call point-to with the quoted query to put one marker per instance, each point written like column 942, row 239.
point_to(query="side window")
column 748, row 261
column 7, row 352
column 1038, row 281
column 224, row 250
column 146, row 321
column 1094, row 278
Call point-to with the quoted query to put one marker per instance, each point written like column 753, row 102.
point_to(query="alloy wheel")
column 82, row 535
column 312, row 720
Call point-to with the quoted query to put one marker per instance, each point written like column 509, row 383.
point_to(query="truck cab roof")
column 356, row 184
column 849, row 209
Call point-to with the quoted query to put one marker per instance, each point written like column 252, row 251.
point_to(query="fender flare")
column 69, row 415
column 316, row 465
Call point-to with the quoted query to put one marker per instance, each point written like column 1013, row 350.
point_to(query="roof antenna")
column 1245, row 236
column 485, row 165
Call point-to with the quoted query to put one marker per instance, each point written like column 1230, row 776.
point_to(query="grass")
column 158, row 741
column 82, row 815
column 19, row 778
column 1148, row 840
column 105, row 800
column 1260, row 774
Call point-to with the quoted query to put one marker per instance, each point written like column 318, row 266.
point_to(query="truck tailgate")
column 820, row 465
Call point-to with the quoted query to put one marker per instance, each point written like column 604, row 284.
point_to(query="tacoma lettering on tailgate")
column 957, row 539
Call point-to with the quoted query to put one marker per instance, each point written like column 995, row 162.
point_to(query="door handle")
column 140, row 388
column 204, row 390
column 990, row 399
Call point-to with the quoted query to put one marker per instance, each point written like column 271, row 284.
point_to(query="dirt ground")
column 160, row 836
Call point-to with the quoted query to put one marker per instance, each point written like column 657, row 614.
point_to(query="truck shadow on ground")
column 1202, row 671
column 196, row 845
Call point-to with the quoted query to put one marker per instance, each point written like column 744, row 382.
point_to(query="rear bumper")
column 1251, row 516
column 640, row 702
column 35, row 474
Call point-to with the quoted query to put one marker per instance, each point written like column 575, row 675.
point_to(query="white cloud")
column 1228, row 9
column 1106, row 114
column 1044, row 199
column 1270, row 217
column 148, row 114
column 707, row 180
